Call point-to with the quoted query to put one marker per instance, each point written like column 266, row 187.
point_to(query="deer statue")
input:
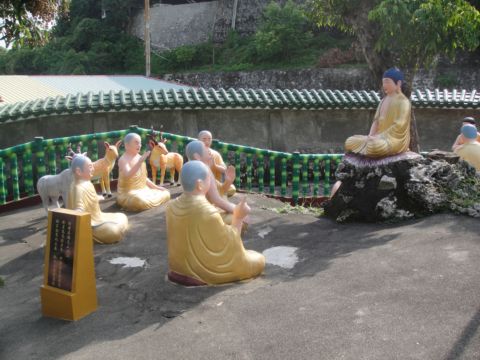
column 52, row 187
column 161, row 158
column 103, row 167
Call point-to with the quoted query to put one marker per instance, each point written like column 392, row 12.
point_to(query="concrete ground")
column 358, row 291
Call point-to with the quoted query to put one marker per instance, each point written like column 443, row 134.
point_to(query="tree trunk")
column 409, row 73
column 414, row 138
column 366, row 33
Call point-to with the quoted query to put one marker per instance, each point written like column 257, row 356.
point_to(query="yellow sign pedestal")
column 69, row 289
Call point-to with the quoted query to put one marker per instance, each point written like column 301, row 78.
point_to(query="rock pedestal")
column 403, row 186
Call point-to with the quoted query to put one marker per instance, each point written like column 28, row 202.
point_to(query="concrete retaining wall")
column 284, row 130
column 324, row 78
column 176, row 25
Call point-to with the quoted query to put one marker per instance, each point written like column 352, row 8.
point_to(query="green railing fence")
column 257, row 170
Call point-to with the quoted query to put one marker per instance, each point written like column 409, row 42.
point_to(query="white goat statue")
column 51, row 187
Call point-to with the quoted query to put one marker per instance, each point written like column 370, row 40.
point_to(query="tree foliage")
column 84, row 41
column 283, row 31
column 406, row 33
column 416, row 32
column 25, row 22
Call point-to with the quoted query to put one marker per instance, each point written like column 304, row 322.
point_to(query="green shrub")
column 184, row 56
column 86, row 32
column 283, row 32
column 447, row 80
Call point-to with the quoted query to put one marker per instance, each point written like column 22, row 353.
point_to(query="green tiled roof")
column 231, row 98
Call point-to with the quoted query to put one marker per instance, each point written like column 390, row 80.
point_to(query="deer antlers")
column 153, row 138
column 71, row 154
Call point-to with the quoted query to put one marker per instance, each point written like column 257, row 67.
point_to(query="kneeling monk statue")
column 108, row 228
column 136, row 192
column 390, row 131
column 218, row 167
column 202, row 249
column 470, row 149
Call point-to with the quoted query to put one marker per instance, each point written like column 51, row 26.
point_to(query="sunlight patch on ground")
column 128, row 262
column 283, row 256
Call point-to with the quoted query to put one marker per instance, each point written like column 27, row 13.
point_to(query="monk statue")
column 470, row 150
column 460, row 140
column 196, row 150
column 202, row 249
column 136, row 192
column 390, row 131
column 218, row 167
column 108, row 228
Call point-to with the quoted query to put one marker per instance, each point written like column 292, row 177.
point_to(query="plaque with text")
column 68, row 291
column 62, row 251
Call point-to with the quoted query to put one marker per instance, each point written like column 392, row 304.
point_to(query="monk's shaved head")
column 469, row 131
column 204, row 133
column 130, row 136
column 195, row 147
column 79, row 162
column 193, row 171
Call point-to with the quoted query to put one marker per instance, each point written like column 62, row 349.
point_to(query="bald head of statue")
column 469, row 132
column 205, row 136
column 194, row 174
column 132, row 143
column 195, row 147
column 130, row 136
column 82, row 167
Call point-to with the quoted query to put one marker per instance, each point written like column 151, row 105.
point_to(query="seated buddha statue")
column 107, row 228
column 390, row 131
column 202, row 249
column 470, row 150
column 136, row 192
column 218, row 167
column 196, row 150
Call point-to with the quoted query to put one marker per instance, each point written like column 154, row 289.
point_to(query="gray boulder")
column 403, row 187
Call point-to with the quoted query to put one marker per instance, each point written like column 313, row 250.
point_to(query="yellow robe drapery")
column 393, row 131
column 107, row 228
column 135, row 195
column 470, row 152
column 201, row 246
column 218, row 160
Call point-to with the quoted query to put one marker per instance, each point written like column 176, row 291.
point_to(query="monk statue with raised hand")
column 107, row 228
column 196, row 150
column 470, row 148
column 202, row 249
column 218, row 167
column 390, row 131
column 136, row 192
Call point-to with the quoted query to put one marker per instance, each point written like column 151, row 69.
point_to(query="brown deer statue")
column 103, row 167
column 161, row 158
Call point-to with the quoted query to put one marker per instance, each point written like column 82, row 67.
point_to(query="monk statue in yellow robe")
column 460, row 140
column 390, row 131
column 196, row 150
column 218, row 167
column 202, row 249
column 136, row 192
column 470, row 150
column 107, row 228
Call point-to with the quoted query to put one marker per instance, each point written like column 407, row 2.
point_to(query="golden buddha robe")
column 201, row 246
column 470, row 152
column 218, row 160
column 135, row 195
column 107, row 228
column 393, row 131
